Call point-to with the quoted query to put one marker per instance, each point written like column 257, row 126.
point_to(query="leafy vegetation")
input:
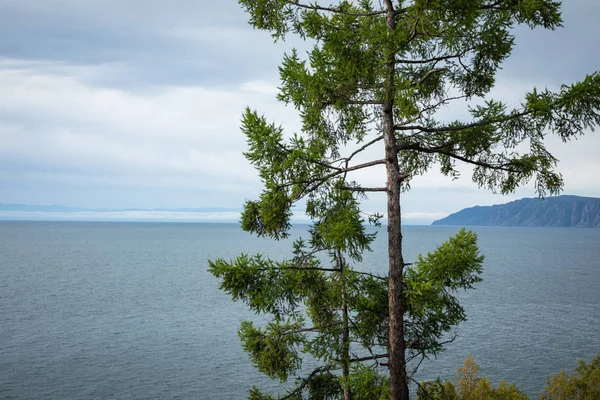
column 469, row 386
column 583, row 385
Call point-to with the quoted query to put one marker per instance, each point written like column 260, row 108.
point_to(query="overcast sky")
column 136, row 103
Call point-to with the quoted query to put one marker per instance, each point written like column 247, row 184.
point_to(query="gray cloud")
column 108, row 103
column 153, row 42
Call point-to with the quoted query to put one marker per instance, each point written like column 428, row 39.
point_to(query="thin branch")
column 361, row 166
column 300, row 388
column 364, row 189
column 414, row 344
column 463, row 65
column 422, row 388
column 318, row 181
column 346, row 160
column 320, row 269
column 362, row 343
column 311, row 329
column 429, row 73
column 368, row 358
column 316, row 7
column 322, row 164
column 440, row 150
column 492, row 5
column 414, row 371
column 355, row 152
column 383, row 278
column 435, row 59
column 461, row 127
column 355, row 102
column 300, row 269
column 436, row 105
column 300, row 259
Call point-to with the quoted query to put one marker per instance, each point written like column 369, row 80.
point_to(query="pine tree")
column 378, row 74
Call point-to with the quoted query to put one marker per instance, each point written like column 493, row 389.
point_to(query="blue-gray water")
column 128, row 310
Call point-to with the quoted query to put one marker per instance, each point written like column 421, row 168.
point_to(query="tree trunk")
column 396, row 346
column 345, row 331
column 397, row 363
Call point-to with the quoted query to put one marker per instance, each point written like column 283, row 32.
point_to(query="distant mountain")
column 559, row 211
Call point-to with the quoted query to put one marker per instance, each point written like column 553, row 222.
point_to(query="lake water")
column 128, row 310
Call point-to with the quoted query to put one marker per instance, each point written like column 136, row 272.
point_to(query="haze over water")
column 128, row 310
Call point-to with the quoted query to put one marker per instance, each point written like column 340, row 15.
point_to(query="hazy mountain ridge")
column 559, row 211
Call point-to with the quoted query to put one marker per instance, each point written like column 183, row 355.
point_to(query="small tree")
column 378, row 75
column 469, row 386
column 583, row 385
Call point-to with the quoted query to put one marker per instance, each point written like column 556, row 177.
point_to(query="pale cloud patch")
column 189, row 136
column 260, row 87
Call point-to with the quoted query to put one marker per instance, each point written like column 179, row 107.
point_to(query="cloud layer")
column 137, row 104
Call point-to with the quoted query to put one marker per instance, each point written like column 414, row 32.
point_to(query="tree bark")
column 396, row 346
column 345, row 331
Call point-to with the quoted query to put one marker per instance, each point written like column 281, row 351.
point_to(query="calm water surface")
column 128, row 310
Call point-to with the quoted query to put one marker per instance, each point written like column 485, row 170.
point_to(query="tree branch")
column 318, row 181
column 436, row 105
column 368, row 358
column 383, row 278
column 362, row 148
column 364, row 189
column 320, row 269
column 355, row 102
column 300, row 269
column 435, row 59
column 315, row 7
column 293, row 393
column 422, row 388
column 440, row 150
column 429, row 73
column 461, row 127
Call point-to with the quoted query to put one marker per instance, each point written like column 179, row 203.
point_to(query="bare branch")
column 429, row 73
column 362, row 148
column 368, row 358
column 436, row 105
column 318, row 181
column 364, row 189
column 417, row 366
column 365, row 165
